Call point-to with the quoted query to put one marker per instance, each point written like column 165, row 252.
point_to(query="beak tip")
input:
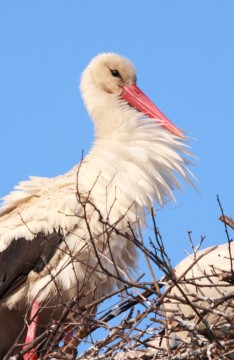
column 180, row 134
column 142, row 103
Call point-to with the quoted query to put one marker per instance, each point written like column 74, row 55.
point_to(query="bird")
column 202, row 302
column 69, row 237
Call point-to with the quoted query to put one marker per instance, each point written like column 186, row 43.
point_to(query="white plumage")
column 208, row 286
column 133, row 162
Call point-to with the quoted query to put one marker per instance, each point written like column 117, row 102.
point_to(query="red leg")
column 31, row 333
column 69, row 334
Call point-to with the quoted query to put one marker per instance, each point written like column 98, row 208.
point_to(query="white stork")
column 55, row 231
column 205, row 282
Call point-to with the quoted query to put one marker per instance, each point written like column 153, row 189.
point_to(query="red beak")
column 142, row 103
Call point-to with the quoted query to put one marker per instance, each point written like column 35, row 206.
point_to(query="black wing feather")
column 23, row 256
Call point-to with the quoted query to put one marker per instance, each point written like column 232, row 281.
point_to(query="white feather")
column 132, row 163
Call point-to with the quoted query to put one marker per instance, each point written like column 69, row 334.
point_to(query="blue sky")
column 184, row 55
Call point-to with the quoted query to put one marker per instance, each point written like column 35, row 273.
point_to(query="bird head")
column 111, row 75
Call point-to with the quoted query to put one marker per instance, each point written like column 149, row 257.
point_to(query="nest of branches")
column 188, row 314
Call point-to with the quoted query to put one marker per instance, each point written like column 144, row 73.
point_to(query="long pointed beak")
column 142, row 103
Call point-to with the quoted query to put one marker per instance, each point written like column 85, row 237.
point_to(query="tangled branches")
column 188, row 314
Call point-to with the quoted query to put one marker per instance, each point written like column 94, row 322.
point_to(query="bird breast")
column 93, row 206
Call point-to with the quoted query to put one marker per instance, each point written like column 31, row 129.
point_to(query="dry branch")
column 189, row 314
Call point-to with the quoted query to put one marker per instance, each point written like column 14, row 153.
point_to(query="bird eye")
column 115, row 73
